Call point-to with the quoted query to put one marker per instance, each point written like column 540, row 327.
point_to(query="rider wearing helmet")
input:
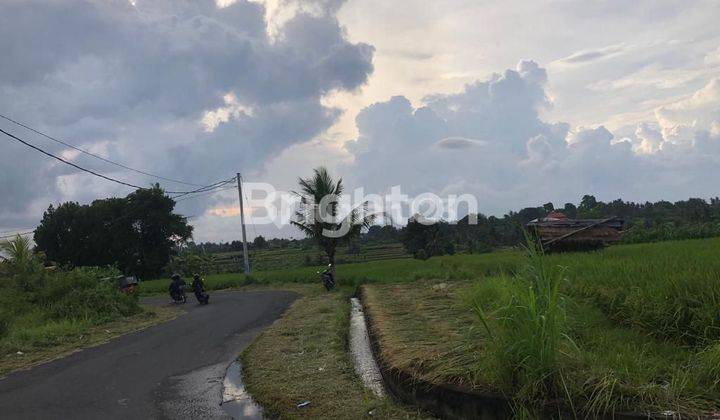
column 199, row 289
column 176, row 284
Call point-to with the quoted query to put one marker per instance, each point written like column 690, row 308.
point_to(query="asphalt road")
column 171, row 370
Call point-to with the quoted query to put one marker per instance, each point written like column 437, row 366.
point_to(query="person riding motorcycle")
column 328, row 278
column 198, row 287
column 176, row 288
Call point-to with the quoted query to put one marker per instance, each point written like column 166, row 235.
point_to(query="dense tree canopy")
column 137, row 233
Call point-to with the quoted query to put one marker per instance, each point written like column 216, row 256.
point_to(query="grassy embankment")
column 44, row 315
column 632, row 328
column 304, row 357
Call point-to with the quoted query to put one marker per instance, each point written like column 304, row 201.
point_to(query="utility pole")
column 242, row 223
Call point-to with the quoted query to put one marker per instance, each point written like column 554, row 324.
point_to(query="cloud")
column 528, row 161
column 587, row 56
column 713, row 58
column 458, row 143
column 189, row 90
column 698, row 112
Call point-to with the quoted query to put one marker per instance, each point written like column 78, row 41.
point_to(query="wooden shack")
column 558, row 233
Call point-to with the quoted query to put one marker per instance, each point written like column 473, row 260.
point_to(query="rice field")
column 633, row 328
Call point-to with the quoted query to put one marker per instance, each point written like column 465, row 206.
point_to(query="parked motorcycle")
column 327, row 277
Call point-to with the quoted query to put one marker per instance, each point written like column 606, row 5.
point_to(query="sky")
column 515, row 102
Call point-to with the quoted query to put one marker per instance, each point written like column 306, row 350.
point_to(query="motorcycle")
column 202, row 297
column 178, row 296
column 327, row 277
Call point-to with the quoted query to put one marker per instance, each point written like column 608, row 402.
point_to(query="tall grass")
column 530, row 328
column 39, row 308
column 632, row 326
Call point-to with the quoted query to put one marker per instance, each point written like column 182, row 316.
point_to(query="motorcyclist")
column 198, row 287
column 176, row 285
column 328, row 278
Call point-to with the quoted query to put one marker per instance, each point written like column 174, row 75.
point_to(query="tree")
column 318, row 214
column 25, row 266
column 424, row 240
column 137, row 233
column 259, row 242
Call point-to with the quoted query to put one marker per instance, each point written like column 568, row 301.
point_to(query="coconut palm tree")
column 318, row 213
column 19, row 251
column 25, row 266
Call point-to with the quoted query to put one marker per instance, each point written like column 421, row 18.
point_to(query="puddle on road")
column 236, row 400
column 365, row 364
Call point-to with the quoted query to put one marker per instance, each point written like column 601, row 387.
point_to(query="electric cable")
column 120, row 165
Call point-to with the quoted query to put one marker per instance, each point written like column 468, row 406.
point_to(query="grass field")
column 354, row 274
column 294, row 257
column 632, row 328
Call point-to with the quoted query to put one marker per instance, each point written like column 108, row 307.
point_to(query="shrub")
column 64, row 302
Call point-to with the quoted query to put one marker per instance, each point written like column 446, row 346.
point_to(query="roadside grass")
column 41, row 342
column 635, row 329
column 304, row 357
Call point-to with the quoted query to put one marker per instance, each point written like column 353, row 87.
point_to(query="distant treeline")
column 645, row 222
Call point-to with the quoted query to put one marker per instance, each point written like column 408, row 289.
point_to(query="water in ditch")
column 365, row 364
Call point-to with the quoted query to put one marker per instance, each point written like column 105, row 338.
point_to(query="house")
column 558, row 233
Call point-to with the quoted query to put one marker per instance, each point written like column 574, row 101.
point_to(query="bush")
column 57, row 304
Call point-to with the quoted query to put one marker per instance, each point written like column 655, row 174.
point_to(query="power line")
column 206, row 188
column 67, row 162
column 180, row 193
column 205, row 193
column 120, row 165
column 110, row 222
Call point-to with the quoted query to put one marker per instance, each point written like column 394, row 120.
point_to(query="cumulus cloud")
column 528, row 161
column 680, row 119
column 193, row 90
